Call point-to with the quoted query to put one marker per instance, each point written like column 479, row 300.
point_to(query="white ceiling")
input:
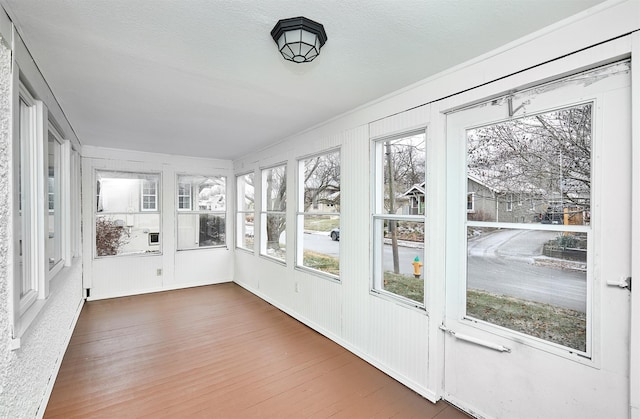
column 204, row 78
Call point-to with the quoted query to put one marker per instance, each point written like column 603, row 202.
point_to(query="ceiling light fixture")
column 299, row 39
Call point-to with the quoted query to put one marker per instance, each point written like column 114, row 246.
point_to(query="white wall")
column 126, row 275
column 402, row 341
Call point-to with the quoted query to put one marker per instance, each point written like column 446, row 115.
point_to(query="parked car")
column 335, row 234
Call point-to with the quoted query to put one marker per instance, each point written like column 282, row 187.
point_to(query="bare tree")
column 322, row 180
column 276, row 195
column 404, row 167
column 547, row 154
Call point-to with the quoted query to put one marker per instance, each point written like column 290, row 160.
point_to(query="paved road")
column 322, row 243
column 502, row 263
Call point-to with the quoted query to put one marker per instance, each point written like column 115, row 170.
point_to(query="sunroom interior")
column 448, row 190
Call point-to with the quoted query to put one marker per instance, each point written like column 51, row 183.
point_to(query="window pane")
column 543, row 159
column 246, row 232
column 322, row 183
column 275, row 189
column 126, row 233
column 401, row 250
column 274, row 233
column 53, row 243
column 246, row 211
column 122, row 224
column 246, row 193
column 200, row 230
column 184, row 195
column 26, row 129
column 119, row 192
column 402, row 162
column 321, row 245
column 211, row 193
column 531, row 281
column 274, row 194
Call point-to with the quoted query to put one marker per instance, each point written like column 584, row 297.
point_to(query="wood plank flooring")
column 218, row 351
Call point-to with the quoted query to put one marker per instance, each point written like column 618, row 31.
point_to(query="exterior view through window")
column 399, row 218
column 246, row 211
column 319, row 213
column 274, row 216
column 528, row 225
column 127, row 219
column 201, row 204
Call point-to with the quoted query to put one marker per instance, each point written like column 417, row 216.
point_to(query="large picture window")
column 273, row 213
column 318, row 244
column 245, row 211
column 201, row 204
column 127, row 219
column 398, row 218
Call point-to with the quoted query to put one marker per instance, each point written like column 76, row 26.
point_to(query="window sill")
column 26, row 320
column 399, row 300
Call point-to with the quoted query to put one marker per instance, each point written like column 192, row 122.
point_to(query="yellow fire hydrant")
column 416, row 267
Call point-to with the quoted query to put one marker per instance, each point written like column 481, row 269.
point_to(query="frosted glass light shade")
column 299, row 39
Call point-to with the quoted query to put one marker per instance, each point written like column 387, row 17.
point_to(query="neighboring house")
column 415, row 194
column 486, row 203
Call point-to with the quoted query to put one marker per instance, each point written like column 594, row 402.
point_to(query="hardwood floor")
column 217, row 351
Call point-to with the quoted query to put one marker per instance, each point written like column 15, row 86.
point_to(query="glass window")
column 25, row 276
column 54, row 219
column 149, row 194
column 514, row 274
column 127, row 213
column 201, row 211
column 184, row 196
column 398, row 220
column 319, row 214
column 245, row 211
column 273, row 212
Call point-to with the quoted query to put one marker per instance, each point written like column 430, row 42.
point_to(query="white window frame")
column 186, row 197
column 143, row 176
column 509, row 202
column 154, row 195
column 242, row 213
column 195, row 211
column 473, row 202
column 60, row 199
column 265, row 212
column 379, row 216
column 28, row 146
column 300, row 214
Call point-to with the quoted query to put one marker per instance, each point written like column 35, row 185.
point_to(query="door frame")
column 634, row 345
column 600, row 54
